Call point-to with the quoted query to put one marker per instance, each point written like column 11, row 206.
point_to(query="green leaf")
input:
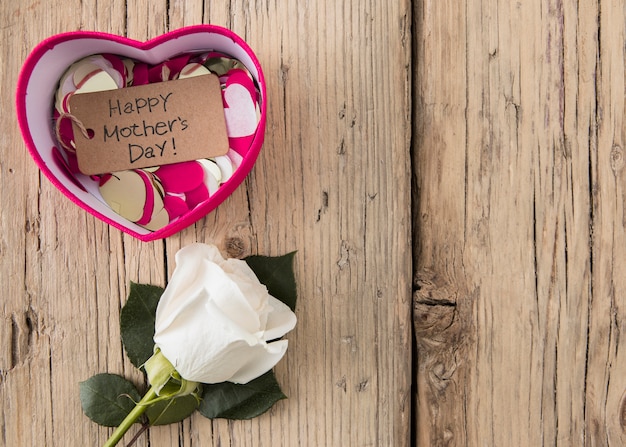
column 137, row 322
column 235, row 401
column 108, row 398
column 171, row 411
column 277, row 274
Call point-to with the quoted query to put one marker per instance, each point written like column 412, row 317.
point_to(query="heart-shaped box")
column 36, row 90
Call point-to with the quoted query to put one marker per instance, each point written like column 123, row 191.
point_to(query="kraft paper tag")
column 150, row 125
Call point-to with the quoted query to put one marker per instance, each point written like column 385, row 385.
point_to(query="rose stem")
column 130, row 419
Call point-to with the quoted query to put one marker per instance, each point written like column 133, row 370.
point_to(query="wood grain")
column 518, row 226
column 333, row 182
column 519, row 223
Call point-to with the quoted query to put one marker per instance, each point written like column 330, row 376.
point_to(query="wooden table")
column 452, row 176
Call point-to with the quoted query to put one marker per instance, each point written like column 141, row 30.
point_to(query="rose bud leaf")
column 236, row 401
column 107, row 398
column 277, row 274
column 137, row 322
column 171, row 411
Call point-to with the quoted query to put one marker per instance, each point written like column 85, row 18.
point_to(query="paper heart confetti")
column 154, row 198
column 241, row 111
column 148, row 203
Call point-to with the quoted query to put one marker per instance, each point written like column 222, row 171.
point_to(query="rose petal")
column 210, row 320
column 280, row 320
column 197, row 273
column 260, row 361
column 225, row 352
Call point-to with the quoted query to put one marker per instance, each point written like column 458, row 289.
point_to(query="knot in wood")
column 434, row 304
column 617, row 158
column 439, row 331
column 235, row 247
column 430, row 321
column 24, row 333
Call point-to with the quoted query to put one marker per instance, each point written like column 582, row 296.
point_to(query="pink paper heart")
column 175, row 206
column 180, row 177
column 35, row 97
column 238, row 100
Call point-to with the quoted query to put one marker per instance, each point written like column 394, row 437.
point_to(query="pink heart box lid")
column 37, row 86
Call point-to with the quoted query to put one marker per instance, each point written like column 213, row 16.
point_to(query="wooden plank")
column 333, row 182
column 606, row 385
column 520, row 223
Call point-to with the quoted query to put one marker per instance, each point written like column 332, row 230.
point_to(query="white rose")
column 215, row 320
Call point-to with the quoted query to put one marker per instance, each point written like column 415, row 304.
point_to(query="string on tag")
column 74, row 120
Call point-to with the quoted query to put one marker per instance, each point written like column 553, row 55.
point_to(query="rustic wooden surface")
column 520, row 220
column 333, row 182
column 512, row 114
